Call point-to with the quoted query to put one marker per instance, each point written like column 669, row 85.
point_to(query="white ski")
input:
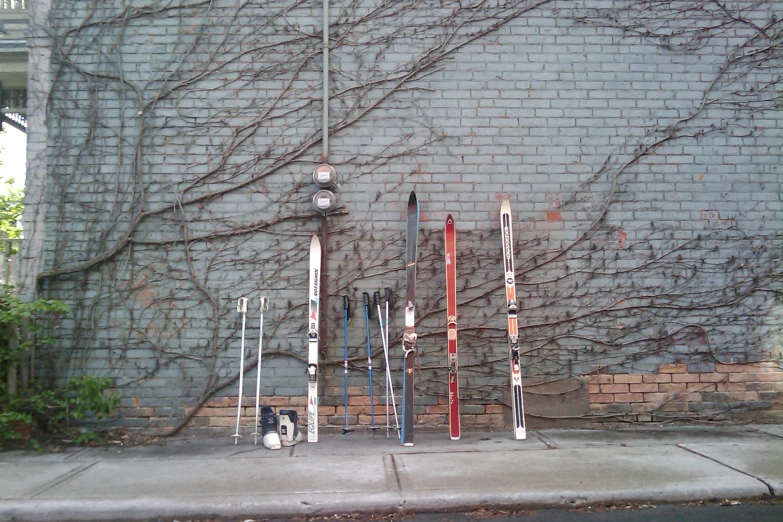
column 517, row 406
column 312, row 340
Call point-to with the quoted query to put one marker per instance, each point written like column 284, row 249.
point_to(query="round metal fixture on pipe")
column 325, row 176
column 324, row 201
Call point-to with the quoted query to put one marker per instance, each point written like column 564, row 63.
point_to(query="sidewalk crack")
column 769, row 486
column 59, row 480
column 550, row 444
column 392, row 473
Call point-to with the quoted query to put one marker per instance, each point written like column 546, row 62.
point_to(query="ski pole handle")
column 366, row 299
column 264, row 303
column 388, row 295
column 242, row 305
column 376, row 299
column 346, row 305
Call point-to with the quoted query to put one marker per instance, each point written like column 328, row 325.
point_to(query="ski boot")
column 289, row 431
column 269, row 428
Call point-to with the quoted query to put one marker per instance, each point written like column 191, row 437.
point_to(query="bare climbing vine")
column 183, row 133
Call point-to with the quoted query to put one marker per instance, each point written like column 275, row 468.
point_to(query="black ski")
column 409, row 334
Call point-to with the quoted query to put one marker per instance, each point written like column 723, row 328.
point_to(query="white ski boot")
column 289, row 431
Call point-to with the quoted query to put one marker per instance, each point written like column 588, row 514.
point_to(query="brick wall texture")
column 640, row 149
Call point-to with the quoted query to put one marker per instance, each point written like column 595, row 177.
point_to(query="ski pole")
column 385, row 339
column 366, row 297
column 242, row 309
column 264, row 306
column 346, row 317
column 376, row 301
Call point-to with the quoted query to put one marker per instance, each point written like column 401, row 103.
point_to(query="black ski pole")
column 346, row 317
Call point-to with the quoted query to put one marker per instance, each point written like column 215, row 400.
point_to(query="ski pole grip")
column 366, row 298
column 264, row 303
column 346, row 304
column 387, row 297
column 376, row 299
column 242, row 305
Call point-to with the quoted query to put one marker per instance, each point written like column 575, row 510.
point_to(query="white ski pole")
column 242, row 309
column 264, row 306
column 377, row 300
column 389, row 384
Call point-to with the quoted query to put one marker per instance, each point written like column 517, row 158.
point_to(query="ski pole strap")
column 264, row 303
column 242, row 305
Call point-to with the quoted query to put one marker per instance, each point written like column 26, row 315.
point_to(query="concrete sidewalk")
column 554, row 468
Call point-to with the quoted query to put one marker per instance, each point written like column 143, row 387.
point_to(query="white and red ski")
column 517, row 406
column 312, row 340
column 449, row 235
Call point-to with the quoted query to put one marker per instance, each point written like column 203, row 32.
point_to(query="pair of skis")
column 518, row 412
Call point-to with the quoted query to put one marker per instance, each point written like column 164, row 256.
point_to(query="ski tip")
column 505, row 206
column 449, row 220
column 315, row 242
column 412, row 200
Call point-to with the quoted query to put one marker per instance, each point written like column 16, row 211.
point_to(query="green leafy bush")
column 50, row 413
column 10, row 209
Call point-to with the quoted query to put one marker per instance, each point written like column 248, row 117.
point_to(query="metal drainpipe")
column 323, row 327
column 325, row 122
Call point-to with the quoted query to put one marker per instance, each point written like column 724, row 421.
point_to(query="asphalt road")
column 742, row 513
column 767, row 510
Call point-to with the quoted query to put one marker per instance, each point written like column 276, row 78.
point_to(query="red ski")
column 451, row 326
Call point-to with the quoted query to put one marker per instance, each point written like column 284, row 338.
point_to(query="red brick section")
column 222, row 413
column 676, row 392
column 671, row 392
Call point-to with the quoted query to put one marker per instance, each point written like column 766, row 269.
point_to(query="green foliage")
column 10, row 209
column 16, row 315
column 49, row 412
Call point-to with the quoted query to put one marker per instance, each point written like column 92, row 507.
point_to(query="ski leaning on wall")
column 312, row 340
column 449, row 235
column 518, row 409
column 409, row 333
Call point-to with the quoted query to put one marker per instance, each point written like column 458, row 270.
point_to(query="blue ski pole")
column 366, row 297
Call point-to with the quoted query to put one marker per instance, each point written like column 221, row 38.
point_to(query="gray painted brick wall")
column 546, row 110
